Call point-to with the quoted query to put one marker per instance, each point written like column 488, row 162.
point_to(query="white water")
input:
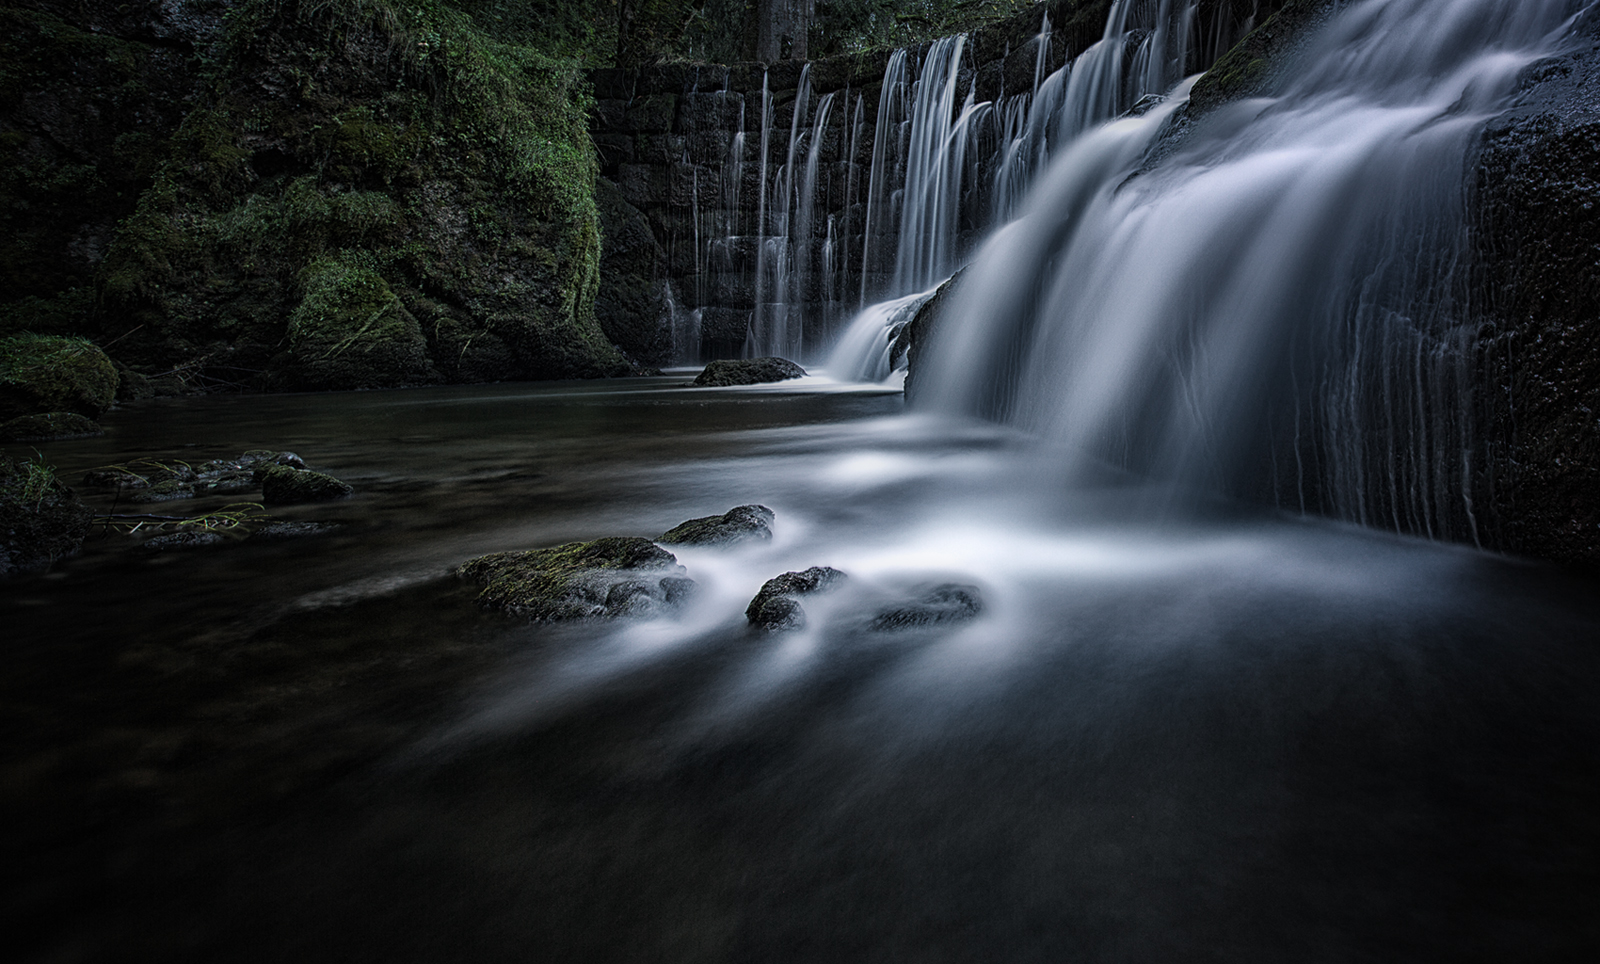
column 1279, row 304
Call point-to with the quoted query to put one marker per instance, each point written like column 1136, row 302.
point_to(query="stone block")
column 642, row 185
column 652, row 114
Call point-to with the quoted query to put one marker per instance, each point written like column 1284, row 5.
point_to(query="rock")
column 775, row 608
column 747, row 371
column 945, row 603
column 734, row 526
column 632, row 304
column 605, row 578
column 284, row 485
column 294, row 530
column 351, row 331
column 48, row 373
column 49, row 426
column 41, row 520
column 183, row 540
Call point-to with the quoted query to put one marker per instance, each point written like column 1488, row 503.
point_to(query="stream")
column 1235, row 735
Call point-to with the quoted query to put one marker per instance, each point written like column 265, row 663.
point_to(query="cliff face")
column 324, row 195
column 90, row 94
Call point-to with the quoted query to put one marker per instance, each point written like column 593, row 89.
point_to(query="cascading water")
column 1278, row 305
column 1027, row 127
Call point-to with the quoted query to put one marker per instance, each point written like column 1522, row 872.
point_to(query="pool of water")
column 1222, row 736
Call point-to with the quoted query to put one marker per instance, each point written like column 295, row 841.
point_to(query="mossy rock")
column 49, row 426
column 350, row 331
column 50, row 373
column 738, row 524
column 41, row 520
column 606, row 578
column 747, row 371
column 284, row 485
column 944, row 604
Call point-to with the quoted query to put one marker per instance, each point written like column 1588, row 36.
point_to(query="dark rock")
column 945, row 603
column 183, row 540
column 41, row 520
column 736, row 525
column 605, row 578
column 282, row 485
column 916, row 335
column 747, row 371
column 775, row 607
column 47, row 373
column 632, row 304
column 51, row 425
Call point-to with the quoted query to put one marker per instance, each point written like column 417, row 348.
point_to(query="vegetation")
column 53, row 373
column 236, row 521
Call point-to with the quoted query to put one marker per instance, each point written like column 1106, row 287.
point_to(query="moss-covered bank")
column 371, row 192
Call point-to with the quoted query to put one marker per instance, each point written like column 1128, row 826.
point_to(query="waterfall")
column 1276, row 307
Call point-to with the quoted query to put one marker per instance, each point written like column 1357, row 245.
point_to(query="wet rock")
column 294, row 530
column 945, row 603
column 41, row 520
column 283, row 485
column 747, row 371
column 183, row 540
column 49, row 426
column 775, row 607
column 606, row 578
column 737, row 525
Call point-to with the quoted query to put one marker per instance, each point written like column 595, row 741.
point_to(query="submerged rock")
column 736, row 525
column 607, row 578
column 945, row 603
column 184, row 540
column 41, row 520
column 294, row 530
column 747, row 371
column 166, row 490
column 49, row 426
column 283, row 485
column 775, row 607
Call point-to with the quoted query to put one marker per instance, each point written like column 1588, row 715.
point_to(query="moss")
column 285, row 485
column 400, row 139
column 50, row 373
column 606, row 577
column 62, row 313
column 351, row 331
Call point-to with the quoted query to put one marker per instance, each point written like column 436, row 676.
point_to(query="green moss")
column 50, row 373
column 350, row 330
column 575, row 580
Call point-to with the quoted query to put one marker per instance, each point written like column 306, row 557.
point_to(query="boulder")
column 775, row 607
column 606, row 578
column 49, row 426
column 48, row 373
column 41, row 520
column 747, row 371
column 284, row 485
column 945, row 603
column 738, row 524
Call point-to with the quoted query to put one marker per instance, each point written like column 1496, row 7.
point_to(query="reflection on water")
column 1238, row 737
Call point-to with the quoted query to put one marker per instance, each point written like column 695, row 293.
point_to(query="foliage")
column 53, row 373
column 37, row 478
column 235, row 519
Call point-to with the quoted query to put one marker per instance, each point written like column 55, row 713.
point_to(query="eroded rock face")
column 606, row 578
column 747, row 371
column 1536, row 234
column 737, row 525
column 777, row 606
column 41, row 520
